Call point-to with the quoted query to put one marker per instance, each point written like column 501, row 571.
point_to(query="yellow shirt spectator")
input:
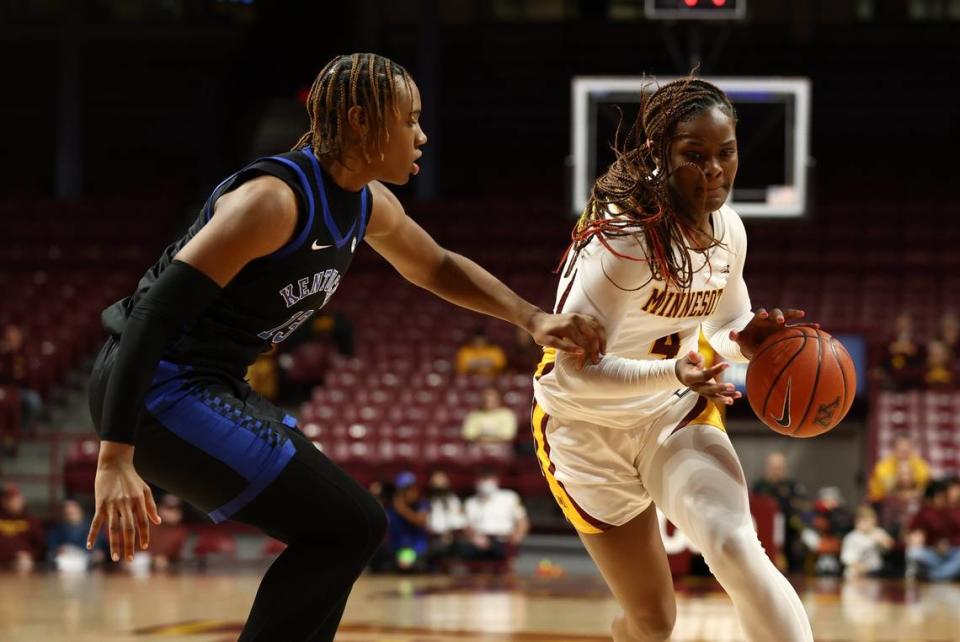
column 492, row 422
column 885, row 472
column 263, row 375
column 481, row 357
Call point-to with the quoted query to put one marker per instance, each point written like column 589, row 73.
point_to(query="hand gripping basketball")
column 763, row 324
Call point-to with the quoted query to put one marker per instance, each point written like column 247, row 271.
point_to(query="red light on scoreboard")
column 695, row 9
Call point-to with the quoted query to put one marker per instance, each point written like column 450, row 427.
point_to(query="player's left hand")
column 763, row 324
column 578, row 334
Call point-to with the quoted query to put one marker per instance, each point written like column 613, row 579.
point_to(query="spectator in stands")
column 445, row 521
column 790, row 496
column 167, row 540
column 492, row 422
column 21, row 535
column 378, row 490
column 330, row 329
column 496, row 520
column 67, row 539
column 953, row 500
column 933, row 545
column 950, row 333
column 953, row 493
column 523, row 355
column 264, row 374
column 940, row 366
column 479, row 356
column 13, row 372
column 901, row 504
column 826, row 525
column 407, row 518
column 885, row 472
column 864, row 546
column 904, row 356
column 335, row 329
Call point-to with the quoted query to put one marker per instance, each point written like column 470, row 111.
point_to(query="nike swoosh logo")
column 319, row 247
column 784, row 419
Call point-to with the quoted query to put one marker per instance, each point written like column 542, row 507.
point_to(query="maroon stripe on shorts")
column 698, row 407
column 587, row 517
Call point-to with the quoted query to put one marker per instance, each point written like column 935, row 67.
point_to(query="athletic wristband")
column 173, row 303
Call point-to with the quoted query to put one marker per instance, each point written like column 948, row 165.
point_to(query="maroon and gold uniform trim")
column 703, row 413
column 581, row 519
column 547, row 363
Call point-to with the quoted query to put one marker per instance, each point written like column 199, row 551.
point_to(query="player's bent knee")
column 370, row 526
column 377, row 520
column 651, row 623
column 728, row 551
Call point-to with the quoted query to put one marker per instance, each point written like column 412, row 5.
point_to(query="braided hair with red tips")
column 366, row 80
column 633, row 196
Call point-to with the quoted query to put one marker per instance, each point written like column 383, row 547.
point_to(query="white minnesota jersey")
column 648, row 325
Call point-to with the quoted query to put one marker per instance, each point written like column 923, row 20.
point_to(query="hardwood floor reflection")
column 209, row 607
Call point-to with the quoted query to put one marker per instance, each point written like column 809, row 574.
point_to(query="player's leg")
column 591, row 472
column 238, row 458
column 695, row 478
column 328, row 629
column 634, row 565
column 923, row 558
column 332, row 527
column 949, row 566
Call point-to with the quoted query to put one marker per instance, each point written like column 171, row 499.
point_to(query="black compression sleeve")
column 174, row 302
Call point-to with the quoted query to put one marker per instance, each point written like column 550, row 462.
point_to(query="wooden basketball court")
column 210, row 607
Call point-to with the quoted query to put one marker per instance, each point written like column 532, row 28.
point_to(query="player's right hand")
column 125, row 503
column 691, row 373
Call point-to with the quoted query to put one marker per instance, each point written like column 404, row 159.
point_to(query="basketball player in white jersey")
column 658, row 257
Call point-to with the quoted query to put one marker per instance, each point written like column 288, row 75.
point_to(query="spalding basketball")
column 801, row 382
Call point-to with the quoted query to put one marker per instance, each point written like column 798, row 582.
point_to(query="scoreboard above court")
column 695, row 9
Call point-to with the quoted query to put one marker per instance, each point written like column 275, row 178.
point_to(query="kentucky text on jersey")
column 326, row 281
column 698, row 303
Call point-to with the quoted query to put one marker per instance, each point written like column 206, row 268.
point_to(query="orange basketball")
column 801, row 382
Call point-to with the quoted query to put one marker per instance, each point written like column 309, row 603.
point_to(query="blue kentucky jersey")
column 273, row 295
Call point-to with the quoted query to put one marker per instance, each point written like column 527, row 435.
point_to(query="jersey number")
column 666, row 347
column 287, row 328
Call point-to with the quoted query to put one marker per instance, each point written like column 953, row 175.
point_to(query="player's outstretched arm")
column 420, row 260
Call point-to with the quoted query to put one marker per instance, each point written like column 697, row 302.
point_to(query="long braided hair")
column 633, row 197
column 361, row 79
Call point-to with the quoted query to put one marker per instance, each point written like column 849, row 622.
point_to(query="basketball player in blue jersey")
column 268, row 250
